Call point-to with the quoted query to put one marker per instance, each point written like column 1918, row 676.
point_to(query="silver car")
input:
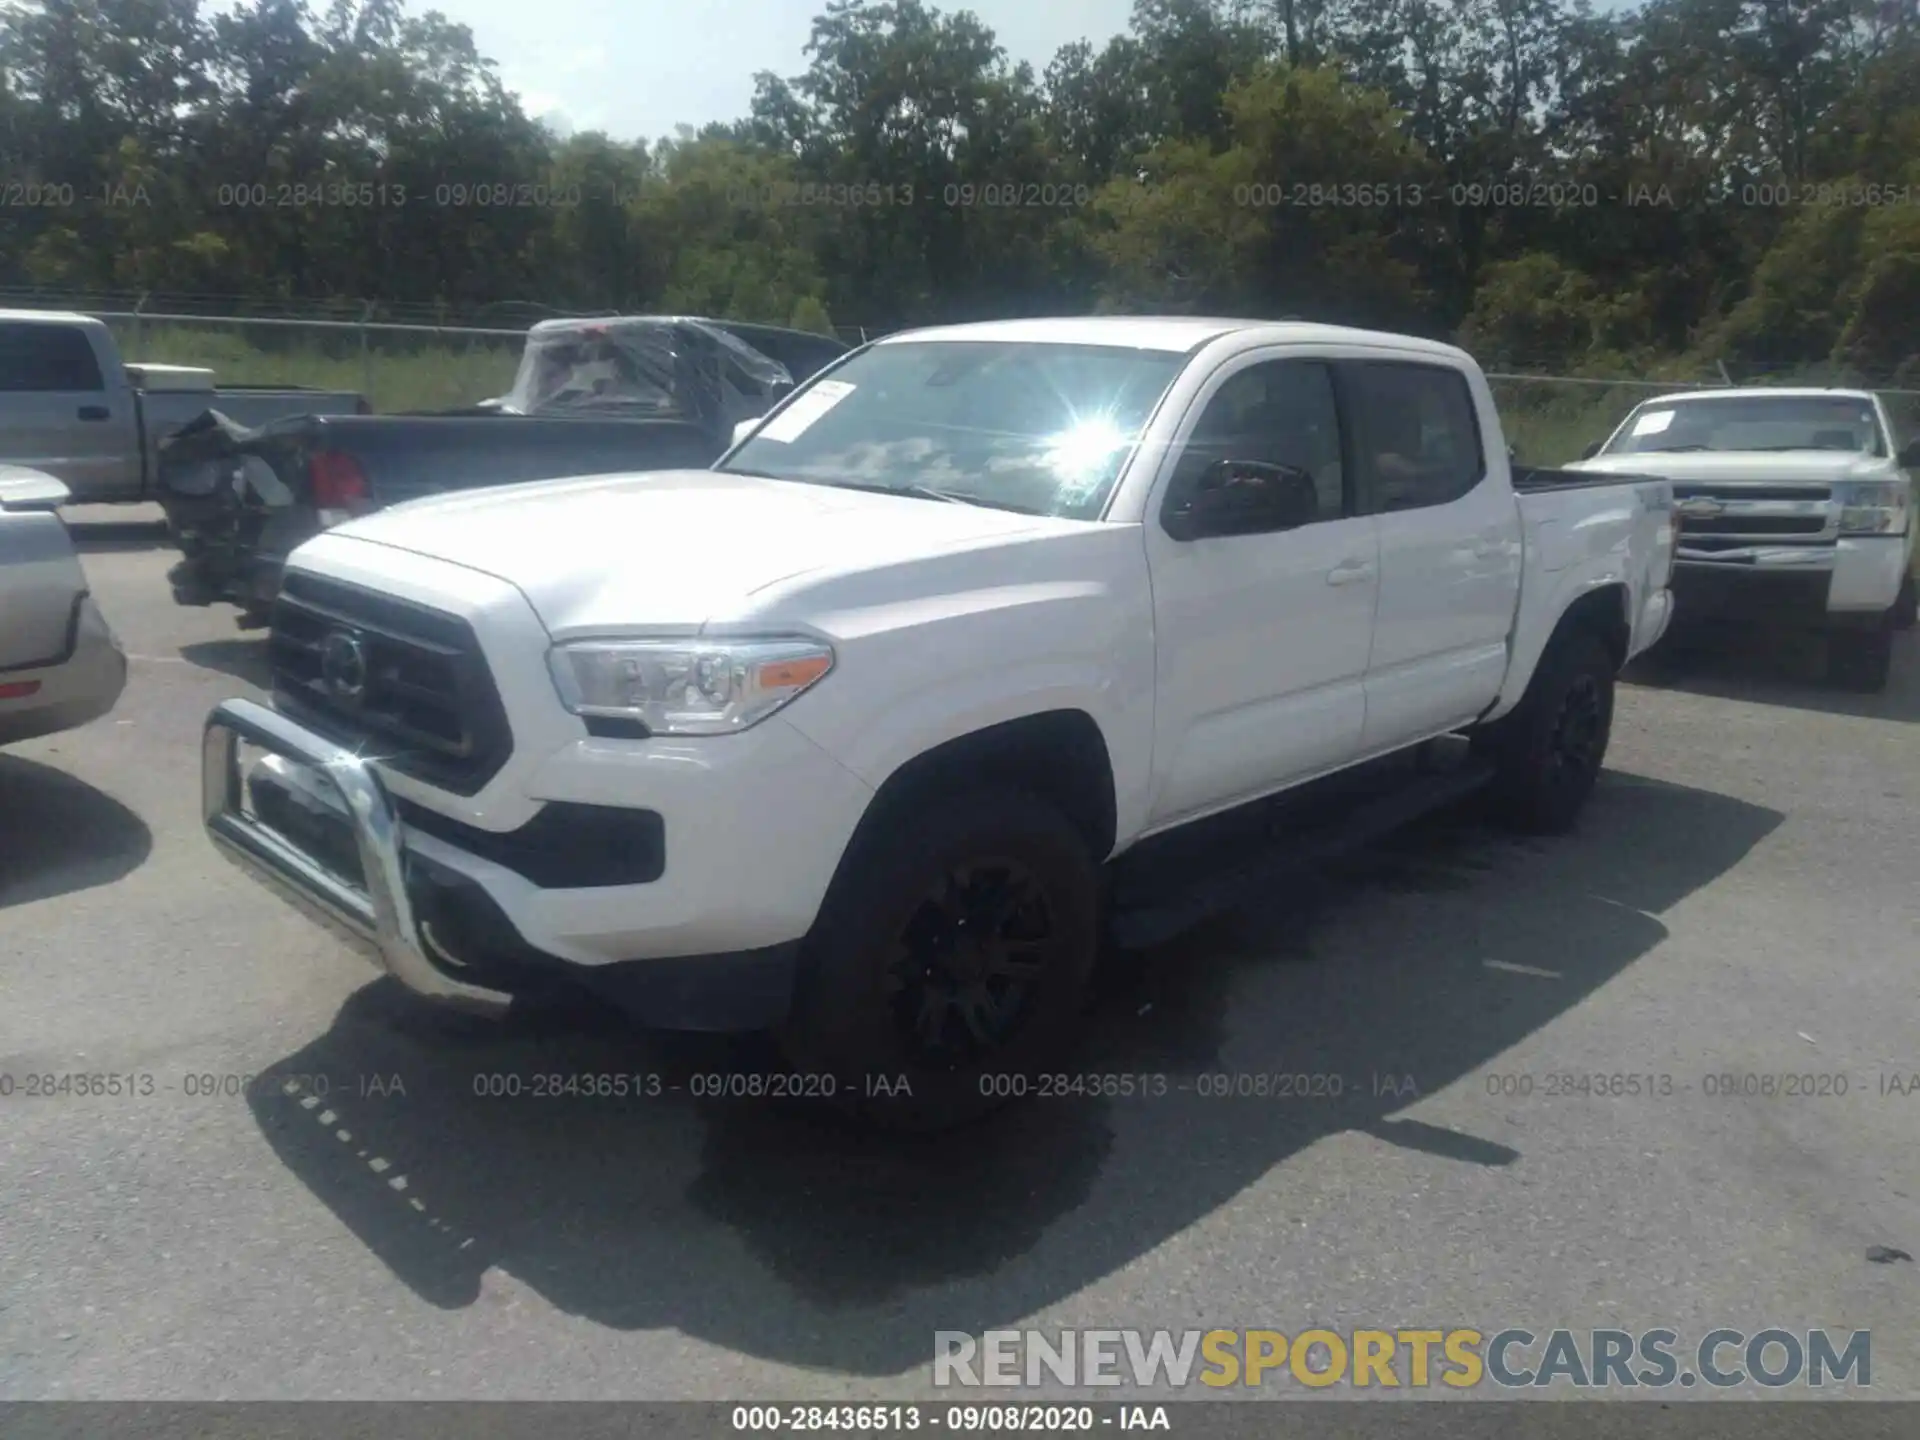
column 60, row 665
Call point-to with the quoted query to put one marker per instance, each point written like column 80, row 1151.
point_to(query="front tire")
column 950, row 960
column 1860, row 660
column 1548, row 752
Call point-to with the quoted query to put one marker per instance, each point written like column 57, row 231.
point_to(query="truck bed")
column 1533, row 480
column 405, row 457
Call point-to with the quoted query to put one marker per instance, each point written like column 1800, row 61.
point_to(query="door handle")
column 1350, row 572
column 95, row 412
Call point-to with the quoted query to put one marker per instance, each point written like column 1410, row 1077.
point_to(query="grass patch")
column 1550, row 423
column 397, row 372
column 1547, row 423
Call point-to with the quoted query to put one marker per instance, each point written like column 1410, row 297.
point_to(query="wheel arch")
column 1060, row 755
column 1602, row 608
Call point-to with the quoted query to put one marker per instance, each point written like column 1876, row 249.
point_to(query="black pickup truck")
column 592, row 396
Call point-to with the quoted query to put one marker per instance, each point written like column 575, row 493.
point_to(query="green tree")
column 718, row 214
column 1201, row 231
column 809, row 314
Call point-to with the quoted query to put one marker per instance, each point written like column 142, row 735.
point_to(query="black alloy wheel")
column 969, row 960
column 1579, row 729
column 950, row 959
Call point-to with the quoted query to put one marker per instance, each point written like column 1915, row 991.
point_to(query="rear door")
column 59, row 414
column 1261, row 639
column 1450, row 546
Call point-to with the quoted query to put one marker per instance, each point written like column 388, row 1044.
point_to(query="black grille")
column 1753, row 524
column 1724, row 542
column 1754, row 492
column 427, row 705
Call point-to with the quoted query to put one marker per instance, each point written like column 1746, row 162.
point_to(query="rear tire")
column 950, row 960
column 1548, row 752
column 1860, row 660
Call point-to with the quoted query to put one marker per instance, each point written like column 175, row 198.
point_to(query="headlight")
column 686, row 687
column 1873, row 507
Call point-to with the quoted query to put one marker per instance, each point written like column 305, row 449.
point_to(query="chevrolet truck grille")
column 1728, row 516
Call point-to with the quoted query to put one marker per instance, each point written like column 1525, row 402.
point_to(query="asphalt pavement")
column 1741, row 899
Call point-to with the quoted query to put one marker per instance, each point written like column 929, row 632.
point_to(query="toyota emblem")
column 343, row 665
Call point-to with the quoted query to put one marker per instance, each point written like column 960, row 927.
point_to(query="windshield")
column 666, row 369
column 1031, row 427
column 1752, row 422
column 591, row 371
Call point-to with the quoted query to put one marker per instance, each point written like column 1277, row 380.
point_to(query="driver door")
column 1261, row 640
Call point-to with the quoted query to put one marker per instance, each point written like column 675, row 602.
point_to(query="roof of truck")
column 1792, row 392
column 1164, row 332
column 603, row 322
column 46, row 317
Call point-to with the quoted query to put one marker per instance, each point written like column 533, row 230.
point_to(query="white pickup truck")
column 849, row 736
column 71, row 408
column 1795, row 509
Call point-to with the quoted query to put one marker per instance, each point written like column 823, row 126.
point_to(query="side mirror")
column 1909, row 456
column 746, row 428
column 1592, row 450
column 1241, row 497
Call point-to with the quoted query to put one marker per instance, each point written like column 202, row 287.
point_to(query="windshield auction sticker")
column 794, row 421
column 1653, row 422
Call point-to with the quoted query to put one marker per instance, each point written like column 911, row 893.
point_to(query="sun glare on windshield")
column 1081, row 454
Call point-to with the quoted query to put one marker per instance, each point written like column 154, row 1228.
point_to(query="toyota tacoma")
column 850, row 736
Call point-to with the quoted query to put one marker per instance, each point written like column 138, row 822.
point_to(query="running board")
column 1286, row 856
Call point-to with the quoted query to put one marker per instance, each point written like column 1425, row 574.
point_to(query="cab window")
column 1416, row 433
column 1278, row 412
column 51, row 359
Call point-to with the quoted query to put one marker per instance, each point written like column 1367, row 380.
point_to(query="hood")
column 675, row 548
column 1746, row 467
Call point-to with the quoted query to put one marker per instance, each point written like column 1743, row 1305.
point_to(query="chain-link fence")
column 431, row 357
column 401, row 356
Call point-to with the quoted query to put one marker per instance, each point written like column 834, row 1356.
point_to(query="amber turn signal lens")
column 791, row 674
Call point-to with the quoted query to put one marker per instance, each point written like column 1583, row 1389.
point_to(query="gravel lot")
column 1741, row 898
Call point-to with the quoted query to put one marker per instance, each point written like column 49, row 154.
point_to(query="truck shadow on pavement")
column 59, row 835
column 101, row 537
column 1768, row 669
column 778, row 1231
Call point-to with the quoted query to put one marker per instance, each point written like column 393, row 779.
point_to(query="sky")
column 638, row 68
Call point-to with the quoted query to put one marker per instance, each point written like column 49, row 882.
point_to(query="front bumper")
column 1853, row 580
column 695, row 949
column 379, row 917
column 82, row 685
